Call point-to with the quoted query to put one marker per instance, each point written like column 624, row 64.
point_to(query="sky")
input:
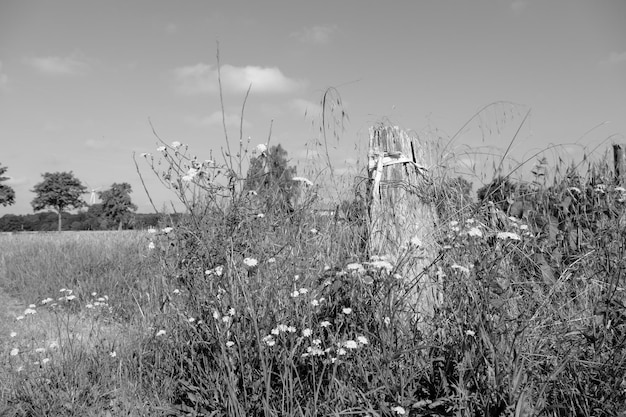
column 83, row 83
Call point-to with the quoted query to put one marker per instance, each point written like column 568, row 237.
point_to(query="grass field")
column 244, row 311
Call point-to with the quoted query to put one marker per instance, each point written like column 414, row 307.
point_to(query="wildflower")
column 307, row 332
column 191, row 319
column 145, row 154
column 315, row 303
column 152, row 230
column 269, row 340
column 346, row 310
column 470, row 221
column 53, row 345
column 70, row 297
column 161, row 149
column 176, row 291
column 296, row 277
column 45, row 361
column 250, row 262
column 314, row 231
column 89, row 305
column 295, row 293
column 303, row 291
column 454, row 223
column 398, row 410
column 475, row 232
column 384, row 265
column 275, row 331
column 271, row 260
column 230, row 343
column 47, row 300
column 113, row 354
column 151, row 245
column 325, row 323
column 355, row 267
column 176, row 144
column 362, row 340
column 167, row 229
column 93, row 294
column 303, row 180
column 40, row 350
column 260, row 215
column 470, row 333
column 507, row 235
column 316, row 342
column 19, row 318
column 387, row 321
column 341, row 351
column 461, row 268
column 261, row 148
column 523, row 227
column 13, row 334
column 291, row 329
column 252, row 193
column 160, row 333
column 14, row 352
column 282, row 327
column 351, row 344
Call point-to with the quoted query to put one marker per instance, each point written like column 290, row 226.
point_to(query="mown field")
column 245, row 309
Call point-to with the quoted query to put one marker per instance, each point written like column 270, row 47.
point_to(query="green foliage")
column 271, row 177
column 116, row 203
column 7, row 194
column 59, row 191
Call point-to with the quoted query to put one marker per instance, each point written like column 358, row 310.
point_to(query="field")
column 246, row 309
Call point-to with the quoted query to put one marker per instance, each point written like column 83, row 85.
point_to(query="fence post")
column 401, row 212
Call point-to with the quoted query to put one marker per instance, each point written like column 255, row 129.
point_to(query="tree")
column 116, row 203
column 60, row 191
column 272, row 178
column 7, row 194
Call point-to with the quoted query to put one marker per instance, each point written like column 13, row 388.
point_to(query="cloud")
column 96, row 144
column 215, row 120
column 16, row 181
column 316, row 35
column 202, row 78
column 518, row 6
column 4, row 78
column 56, row 65
column 302, row 106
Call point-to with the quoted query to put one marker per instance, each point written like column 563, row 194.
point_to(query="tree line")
column 62, row 191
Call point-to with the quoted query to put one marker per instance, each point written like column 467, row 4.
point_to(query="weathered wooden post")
column 620, row 163
column 402, row 216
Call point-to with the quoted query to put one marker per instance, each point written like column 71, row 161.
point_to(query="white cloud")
column 302, row 107
column 16, row 181
column 56, row 65
column 518, row 6
column 202, row 78
column 215, row 120
column 316, row 35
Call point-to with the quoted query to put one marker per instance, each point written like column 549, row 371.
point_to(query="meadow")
column 245, row 309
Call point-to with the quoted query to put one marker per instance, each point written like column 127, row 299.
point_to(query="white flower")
column 315, row 303
column 507, row 235
column 176, row 144
column 145, row 154
column 362, row 340
column 291, row 329
column 14, row 352
column 176, row 291
column 461, row 268
column 151, row 245
column 216, row 315
column 250, row 262
column 160, row 333
column 161, row 149
column 53, row 345
column 271, row 260
column 387, row 321
column 307, row 332
column 303, row 180
column 341, row 351
column 13, row 334
column 152, row 230
column 70, row 297
column 167, row 229
column 295, row 293
column 355, row 267
column 381, row 265
column 282, row 327
column 303, row 291
column 40, row 350
column 29, row 311
column 275, row 331
column 191, row 319
column 261, row 148
column 19, row 318
column 269, row 340
column 32, row 306
column 398, row 410
column 89, row 305
column 325, row 323
column 475, row 232
column 346, row 310
column 470, row 333
column 351, row 344
column 47, row 300
column 113, row 354
column 230, row 343
column 45, row 361
column 260, row 215
column 231, row 311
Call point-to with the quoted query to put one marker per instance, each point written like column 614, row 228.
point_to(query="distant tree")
column 7, row 194
column 59, row 191
column 116, row 203
column 272, row 178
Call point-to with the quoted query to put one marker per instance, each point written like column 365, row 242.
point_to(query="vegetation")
column 7, row 194
column 116, row 203
column 60, row 191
